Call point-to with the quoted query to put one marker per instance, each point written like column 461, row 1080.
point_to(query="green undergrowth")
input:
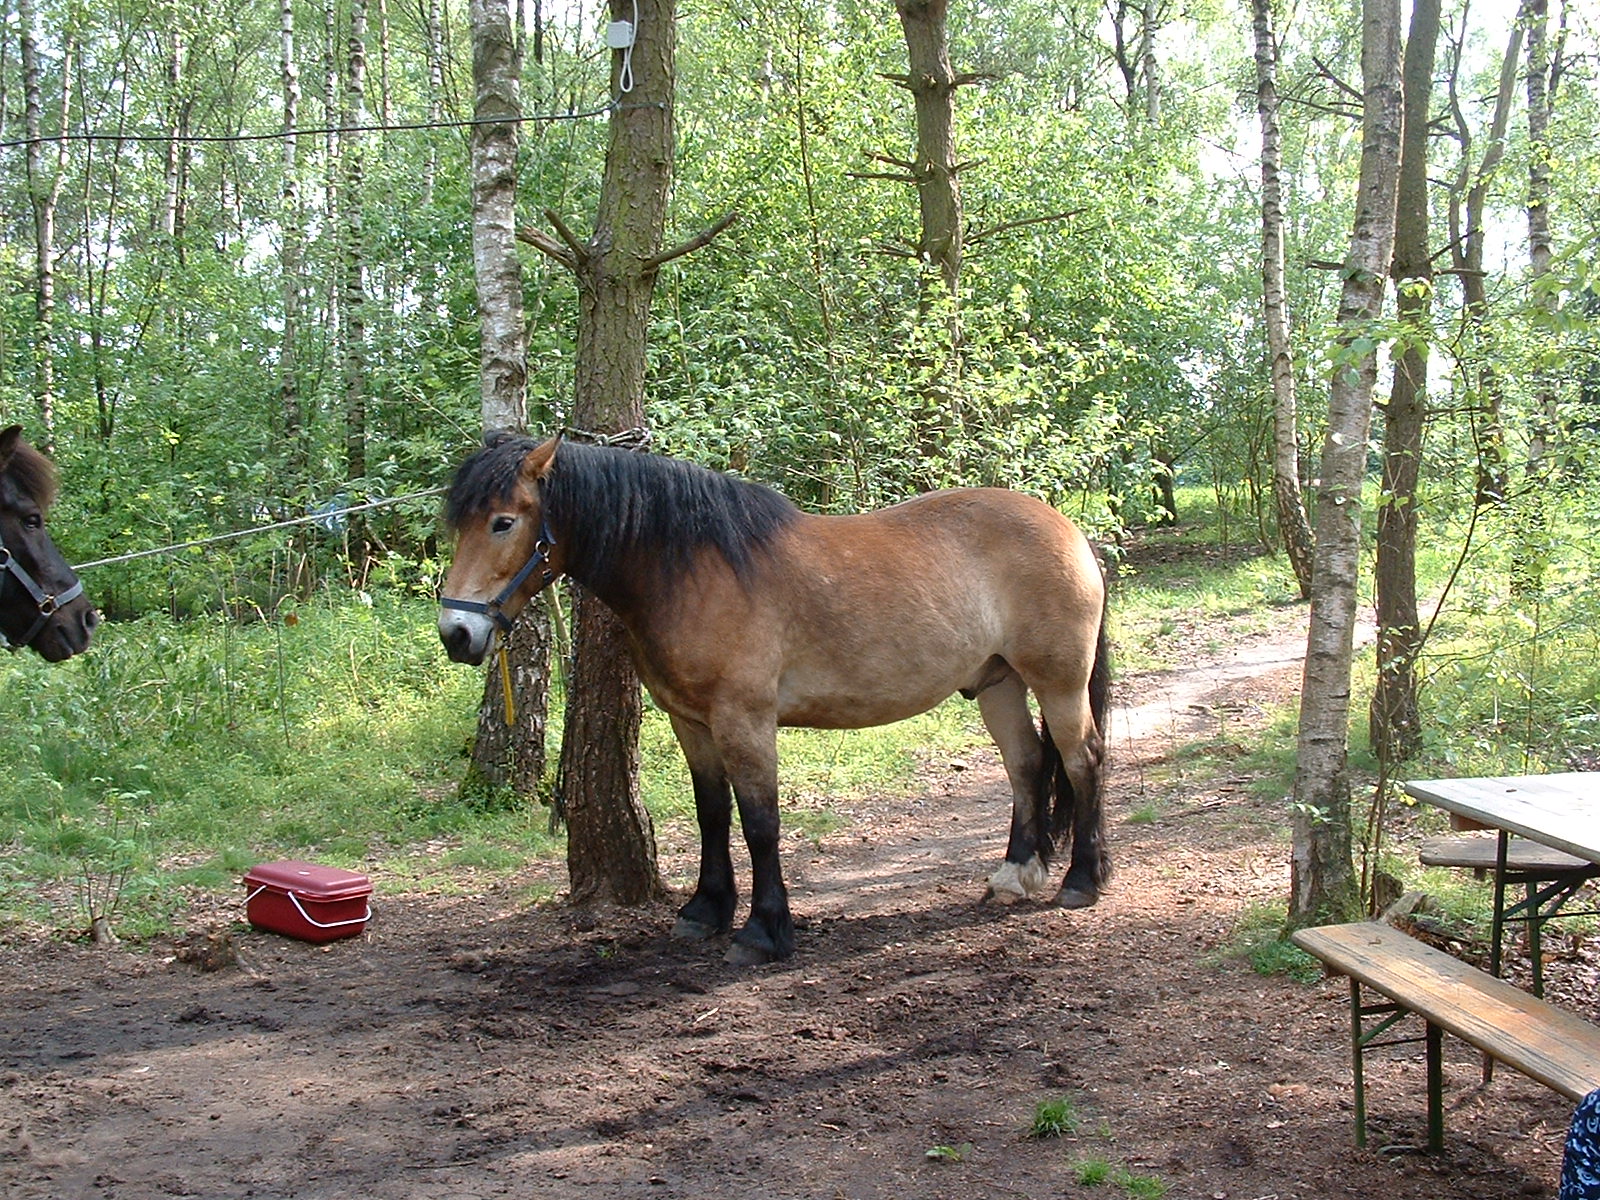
column 177, row 754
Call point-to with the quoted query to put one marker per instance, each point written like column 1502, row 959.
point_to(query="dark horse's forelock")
column 32, row 474
column 615, row 501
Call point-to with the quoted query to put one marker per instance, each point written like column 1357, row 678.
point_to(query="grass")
column 1054, row 1118
column 177, row 754
column 1258, row 939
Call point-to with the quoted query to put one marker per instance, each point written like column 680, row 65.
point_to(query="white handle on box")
column 310, row 920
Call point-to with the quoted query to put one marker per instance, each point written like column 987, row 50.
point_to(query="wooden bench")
column 1550, row 878
column 1559, row 1049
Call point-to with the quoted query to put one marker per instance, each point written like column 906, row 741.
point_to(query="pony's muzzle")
column 466, row 636
column 68, row 633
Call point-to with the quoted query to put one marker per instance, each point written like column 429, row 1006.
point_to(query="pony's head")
column 504, row 551
column 41, row 601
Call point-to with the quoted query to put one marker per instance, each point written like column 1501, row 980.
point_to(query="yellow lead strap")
column 505, row 686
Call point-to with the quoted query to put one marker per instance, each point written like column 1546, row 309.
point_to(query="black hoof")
column 740, row 955
column 687, row 930
column 757, row 943
column 1074, row 897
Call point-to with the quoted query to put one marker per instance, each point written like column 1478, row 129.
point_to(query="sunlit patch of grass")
column 1258, row 938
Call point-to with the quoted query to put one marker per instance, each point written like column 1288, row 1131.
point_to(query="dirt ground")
column 472, row 1046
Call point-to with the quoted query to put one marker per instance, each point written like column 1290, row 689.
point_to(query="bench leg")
column 1357, row 1051
column 1435, row 1043
column 1535, row 951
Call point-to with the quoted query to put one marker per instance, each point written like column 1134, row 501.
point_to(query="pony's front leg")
column 710, row 910
column 750, row 751
column 1026, row 869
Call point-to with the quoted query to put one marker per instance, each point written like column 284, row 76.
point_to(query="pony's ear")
column 538, row 461
column 9, row 437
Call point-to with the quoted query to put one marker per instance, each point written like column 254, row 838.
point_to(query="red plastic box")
column 307, row 901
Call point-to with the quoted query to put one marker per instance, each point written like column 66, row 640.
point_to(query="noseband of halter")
column 47, row 604
column 495, row 609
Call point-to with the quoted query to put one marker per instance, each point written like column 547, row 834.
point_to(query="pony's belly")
column 859, row 707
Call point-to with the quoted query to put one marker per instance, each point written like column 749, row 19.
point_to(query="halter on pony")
column 495, row 609
column 46, row 603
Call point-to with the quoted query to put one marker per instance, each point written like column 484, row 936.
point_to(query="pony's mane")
column 623, row 500
column 32, row 474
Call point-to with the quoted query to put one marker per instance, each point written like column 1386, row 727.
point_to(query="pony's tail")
column 1084, row 816
column 1100, row 681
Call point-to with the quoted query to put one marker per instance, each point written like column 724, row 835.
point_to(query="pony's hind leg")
column 1078, row 755
column 710, row 910
column 1026, row 869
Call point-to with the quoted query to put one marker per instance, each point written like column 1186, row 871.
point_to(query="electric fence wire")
column 322, row 517
column 309, row 131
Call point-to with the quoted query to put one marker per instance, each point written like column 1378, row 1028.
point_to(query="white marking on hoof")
column 1012, row 882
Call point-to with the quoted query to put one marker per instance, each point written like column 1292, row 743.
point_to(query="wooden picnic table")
column 1560, row 811
column 1560, row 816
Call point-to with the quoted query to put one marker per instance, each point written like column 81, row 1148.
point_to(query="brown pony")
column 41, row 601
column 746, row 614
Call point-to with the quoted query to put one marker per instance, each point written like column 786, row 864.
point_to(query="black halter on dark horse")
column 746, row 614
column 42, row 605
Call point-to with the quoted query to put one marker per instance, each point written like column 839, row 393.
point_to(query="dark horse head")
column 42, row 604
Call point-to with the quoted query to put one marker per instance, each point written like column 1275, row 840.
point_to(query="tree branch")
column 547, row 245
column 1326, row 72
column 890, row 176
column 1007, row 226
column 880, row 156
column 580, row 253
column 700, row 239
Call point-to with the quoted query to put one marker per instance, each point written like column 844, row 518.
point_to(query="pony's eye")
column 502, row 524
column 33, row 521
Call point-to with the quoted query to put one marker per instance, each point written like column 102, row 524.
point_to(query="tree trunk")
column 1394, row 721
column 1293, row 527
column 505, row 753
column 932, row 83
column 291, row 264
column 611, row 842
column 1150, row 21
column 44, row 192
column 1467, row 198
column 353, row 289
column 1322, row 878
column 1535, row 17
column 434, row 36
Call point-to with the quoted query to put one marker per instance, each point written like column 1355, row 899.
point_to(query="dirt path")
column 470, row 1046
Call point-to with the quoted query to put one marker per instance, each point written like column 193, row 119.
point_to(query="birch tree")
column 509, row 749
column 291, row 218
column 45, row 173
column 1322, row 878
column 1288, row 504
column 1468, row 196
column 352, row 263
